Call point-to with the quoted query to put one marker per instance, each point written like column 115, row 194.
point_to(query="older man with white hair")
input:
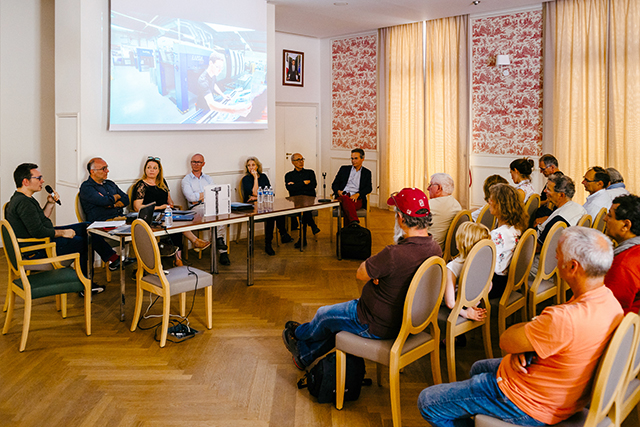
column 444, row 207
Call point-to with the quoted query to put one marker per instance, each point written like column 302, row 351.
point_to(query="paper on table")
column 107, row 224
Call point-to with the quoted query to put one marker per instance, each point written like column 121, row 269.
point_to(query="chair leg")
column 58, row 303
column 238, row 231
column 394, row 388
column 63, row 305
column 87, row 308
column 138, row 309
column 26, row 324
column 10, row 301
column 208, row 294
column 486, row 334
column 183, row 304
column 502, row 326
column 341, row 367
column 435, row 364
column 331, row 225
column 451, row 355
column 166, row 307
column 107, row 271
column 379, row 368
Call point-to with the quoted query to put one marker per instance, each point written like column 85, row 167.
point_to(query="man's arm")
column 33, row 222
column 514, row 340
column 124, row 197
column 90, row 195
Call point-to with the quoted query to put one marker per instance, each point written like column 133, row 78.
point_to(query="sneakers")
column 297, row 244
column 269, row 250
column 290, row 341
column 224, row 259
column 95, row 289
column 220, row 244
column 286, row 238
column 298, row 363
column 115, row 265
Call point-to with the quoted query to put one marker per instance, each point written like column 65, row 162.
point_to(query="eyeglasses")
column 153, row 158
column 356, row 158
column 544, row 168
column 103, row 169
column 196, row 162
column 301, row 159
column 39, row 178
column 584, row 178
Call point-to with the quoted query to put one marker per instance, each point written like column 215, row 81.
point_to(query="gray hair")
column 415, row 222
column 615, row 176
column 563, row 184
column 589, row 247
column 444, row 180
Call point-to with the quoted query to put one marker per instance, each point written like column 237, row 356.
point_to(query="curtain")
column 624, row 90
column 401, row 77
column 447, row 102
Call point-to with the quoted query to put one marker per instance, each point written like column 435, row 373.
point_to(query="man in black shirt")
column 208, row 85
column 302, row 182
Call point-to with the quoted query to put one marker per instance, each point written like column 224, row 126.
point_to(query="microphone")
column 49, row 190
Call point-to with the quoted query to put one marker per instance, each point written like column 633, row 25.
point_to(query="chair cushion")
column 545, row 285
column 182, row 279
column 360, row 212
column 376, row 350
column 53, row 282
column 443, row 315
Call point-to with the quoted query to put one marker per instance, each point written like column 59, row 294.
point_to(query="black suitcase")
column 355, row 242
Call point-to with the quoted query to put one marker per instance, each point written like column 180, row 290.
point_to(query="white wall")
column 81, row 83
column 26, row 89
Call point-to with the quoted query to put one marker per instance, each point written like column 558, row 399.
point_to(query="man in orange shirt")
column 546, row 377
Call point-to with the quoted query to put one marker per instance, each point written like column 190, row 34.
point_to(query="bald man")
column 301, row 181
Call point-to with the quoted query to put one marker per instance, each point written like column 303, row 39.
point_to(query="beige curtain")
column 447, row 102
column 580, row 82
column 624, row 91
column 401, row 77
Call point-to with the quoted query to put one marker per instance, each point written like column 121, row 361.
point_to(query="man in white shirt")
column 444, row 207
column 193, row 190
column 595, row 182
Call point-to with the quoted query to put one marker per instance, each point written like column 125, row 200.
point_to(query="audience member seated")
column 548, row 165
column 564, row 344
column 506, row 206
column 560, row 190
column 351, row 186
column 488, row 183
column 595, row 182
column 623, row 225
column 302, row 182
column 152, row 187
column 29, row 220
column 101, row 199
column 468, row 234
column 251, row 181
column 616, row 184
column 444, row 207
column 193, row 190
column 521, row 175
column 377, row 314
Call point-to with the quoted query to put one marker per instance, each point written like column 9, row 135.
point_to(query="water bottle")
column 168, row 217
column 260, row 196
column 270, row 193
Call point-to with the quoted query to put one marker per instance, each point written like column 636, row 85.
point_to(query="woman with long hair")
column 521, row 175
column 251, row 181
column 506, row 206
column 152, row 187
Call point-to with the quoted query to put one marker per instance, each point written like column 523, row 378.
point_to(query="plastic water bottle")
column 260, row 196
column 168, row 217
column 270, row 195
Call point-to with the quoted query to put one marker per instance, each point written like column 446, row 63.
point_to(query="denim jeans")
column 319, row 336
column 453, row 404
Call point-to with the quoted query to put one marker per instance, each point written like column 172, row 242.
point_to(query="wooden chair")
column 584, row 221
column 514, row 298
column 546, row 284
column 419, row 335
column 450, row 248
column 165, row 284
column 58, row 281
column 532, row 205
column 630, row 395
column 362, row 213
column 486, row 218
column 82, row 217
column 473, row 287
column 603, row 409
column 598, row 221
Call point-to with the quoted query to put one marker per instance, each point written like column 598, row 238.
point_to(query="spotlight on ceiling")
column 475, row 2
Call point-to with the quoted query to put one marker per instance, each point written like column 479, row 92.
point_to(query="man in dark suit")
column 351, row 186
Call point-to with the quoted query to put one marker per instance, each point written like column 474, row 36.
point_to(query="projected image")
column 169, row 73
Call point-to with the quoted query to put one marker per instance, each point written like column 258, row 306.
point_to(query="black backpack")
column 355, row 242
column 321, row 379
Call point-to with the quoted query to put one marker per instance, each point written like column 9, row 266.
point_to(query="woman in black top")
column 152, row 187
column 253, row 179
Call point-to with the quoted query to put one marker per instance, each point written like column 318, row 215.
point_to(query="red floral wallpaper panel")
column 353, row 92
column 507, row 110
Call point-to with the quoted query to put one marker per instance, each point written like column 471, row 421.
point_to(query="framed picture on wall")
column 293, row 68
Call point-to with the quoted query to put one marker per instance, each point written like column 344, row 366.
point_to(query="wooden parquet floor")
column 239, row 374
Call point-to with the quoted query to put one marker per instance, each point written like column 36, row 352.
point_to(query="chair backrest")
column 521, row 263
column 4, row 211
column 486, row 218
column 613, row 368
column 146, row 247
column 584, row 221
column 450, row 247
column 10, row 243
column 79, row 211
column 532, row 205
column 548, row 253
column 634, row 369
column 477, row 273
column 598, row 221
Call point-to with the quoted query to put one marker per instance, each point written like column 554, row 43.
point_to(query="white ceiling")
column 322, row 19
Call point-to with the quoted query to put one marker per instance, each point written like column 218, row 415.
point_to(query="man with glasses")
column 302, row 182
column 193, row 185
column 595, row 182
column 29, row 220
column 101, row 200
column 548, row 165
column 444, row 207
column 351, row 186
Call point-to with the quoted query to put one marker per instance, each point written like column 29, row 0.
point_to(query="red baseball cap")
column 410, row 201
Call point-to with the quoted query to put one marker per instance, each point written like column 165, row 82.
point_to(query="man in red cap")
column 378, row 312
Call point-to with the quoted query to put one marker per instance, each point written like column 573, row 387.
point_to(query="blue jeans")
column 319, row 336
column 453, row 404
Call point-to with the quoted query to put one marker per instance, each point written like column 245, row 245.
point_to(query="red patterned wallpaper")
column 353, row 73
column 507, row 111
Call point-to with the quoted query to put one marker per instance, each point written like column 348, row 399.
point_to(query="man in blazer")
column 351, row 186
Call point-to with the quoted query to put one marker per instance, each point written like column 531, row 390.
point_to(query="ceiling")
column 323, row 19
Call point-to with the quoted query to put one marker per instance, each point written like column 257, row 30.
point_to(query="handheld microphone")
column 49, row 190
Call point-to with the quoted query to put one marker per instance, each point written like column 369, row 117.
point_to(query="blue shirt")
column 353, row 184
column 98, row 200
column 192, row 186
